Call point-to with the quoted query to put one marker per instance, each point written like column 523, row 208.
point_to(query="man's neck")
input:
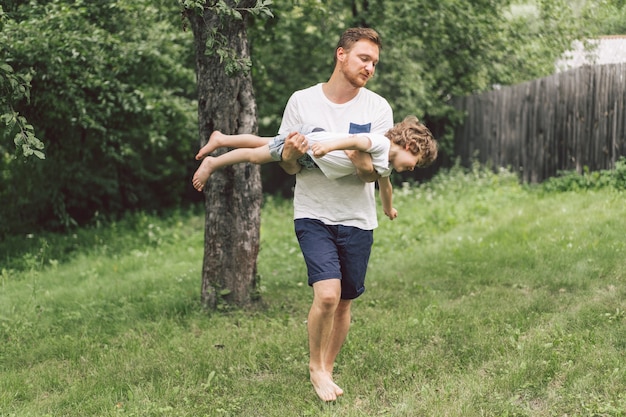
column 338, row 90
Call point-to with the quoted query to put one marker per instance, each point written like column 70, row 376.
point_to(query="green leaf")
column 6, row 68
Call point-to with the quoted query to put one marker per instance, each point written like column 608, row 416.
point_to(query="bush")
column 574, row 181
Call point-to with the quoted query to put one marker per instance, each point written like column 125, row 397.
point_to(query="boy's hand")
column 392, row 214
column 319, row 150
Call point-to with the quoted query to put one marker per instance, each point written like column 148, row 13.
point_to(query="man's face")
column 359, row 63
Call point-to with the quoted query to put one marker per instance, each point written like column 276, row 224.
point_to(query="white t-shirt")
column 336, row 164
column 347, row 200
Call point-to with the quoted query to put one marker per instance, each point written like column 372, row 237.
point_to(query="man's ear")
column 341, row 53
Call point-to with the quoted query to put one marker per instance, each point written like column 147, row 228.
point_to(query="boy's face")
column 359, row 63
column 405, row 160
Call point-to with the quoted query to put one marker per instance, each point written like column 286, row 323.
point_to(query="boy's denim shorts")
column 335, row 252
column 278, row 143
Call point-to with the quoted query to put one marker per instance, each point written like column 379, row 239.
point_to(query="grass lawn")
column 484, row 298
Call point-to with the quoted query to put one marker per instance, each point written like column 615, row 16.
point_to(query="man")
column 334, row 219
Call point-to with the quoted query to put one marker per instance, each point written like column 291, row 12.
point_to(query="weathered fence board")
column 567, row 121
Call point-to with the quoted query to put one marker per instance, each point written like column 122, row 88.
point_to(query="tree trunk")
column 233, row 195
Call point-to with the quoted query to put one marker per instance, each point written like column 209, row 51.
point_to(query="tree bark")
column 233, row 195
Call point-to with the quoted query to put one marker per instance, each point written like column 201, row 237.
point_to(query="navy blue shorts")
column 335, row 252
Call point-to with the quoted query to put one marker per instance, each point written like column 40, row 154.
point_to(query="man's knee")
column 327, row 293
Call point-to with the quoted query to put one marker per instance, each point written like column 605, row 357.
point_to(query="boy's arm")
column 356, row 148
column 386, row 197
column 352, row 142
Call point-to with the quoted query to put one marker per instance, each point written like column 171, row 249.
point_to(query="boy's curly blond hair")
column 418, row 137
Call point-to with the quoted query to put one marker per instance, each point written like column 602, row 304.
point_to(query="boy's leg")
column 260, row 155
column 220, row 140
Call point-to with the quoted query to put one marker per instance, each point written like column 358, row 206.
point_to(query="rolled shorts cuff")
column 346, row 294
column 276, row 146
column 323, row 276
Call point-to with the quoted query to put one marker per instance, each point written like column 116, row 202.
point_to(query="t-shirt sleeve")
column 291, row 115
column 384, row 122
column 380, row 153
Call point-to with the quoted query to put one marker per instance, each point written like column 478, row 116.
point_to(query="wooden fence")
column 567, row 121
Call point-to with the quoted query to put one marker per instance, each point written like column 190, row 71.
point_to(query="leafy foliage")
column 216, row 42
column 588, row 180
column 13, row 88
column 113, row 102
column 605, row 17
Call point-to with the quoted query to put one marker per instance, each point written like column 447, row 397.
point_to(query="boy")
column 406, row 145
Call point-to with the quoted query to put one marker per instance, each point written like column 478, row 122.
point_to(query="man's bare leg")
column 210, row 164
column 341, row 326
column 220, row 140
column 321, row 322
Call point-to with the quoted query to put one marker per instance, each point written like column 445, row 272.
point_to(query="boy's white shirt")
column 347, row 200
column 336, row 164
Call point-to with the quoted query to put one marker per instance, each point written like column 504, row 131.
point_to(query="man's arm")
column 295, row 146
column 364, row 166
column 386, row 197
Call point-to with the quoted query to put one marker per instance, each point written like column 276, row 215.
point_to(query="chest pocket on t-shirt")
column 355, row 128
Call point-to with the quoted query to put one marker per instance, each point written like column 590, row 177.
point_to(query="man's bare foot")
column 214, row 142
column 324, row 386
column 202, row 174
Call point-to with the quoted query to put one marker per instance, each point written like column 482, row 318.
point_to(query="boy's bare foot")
column 202, row 174
column 324, row 386
column 214, row 142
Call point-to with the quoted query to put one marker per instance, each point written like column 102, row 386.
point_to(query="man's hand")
column 364, row 167
column 296, row 145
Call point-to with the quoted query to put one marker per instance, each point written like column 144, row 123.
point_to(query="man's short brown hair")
column 351, row 36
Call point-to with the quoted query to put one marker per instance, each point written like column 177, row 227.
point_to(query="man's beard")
column 357, row 79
